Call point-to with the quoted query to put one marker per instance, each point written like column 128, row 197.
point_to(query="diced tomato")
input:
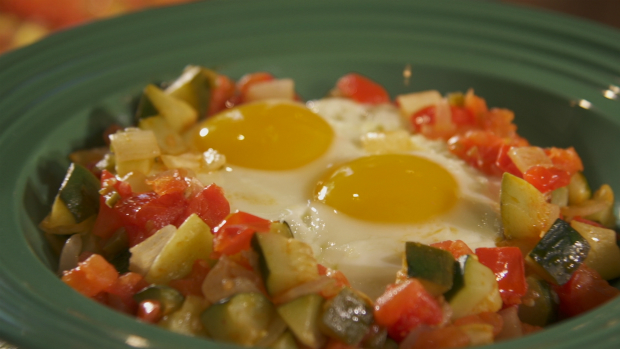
column 440, row 338
column 461, row 117
column 505, row 163
column 149, row 311
column 566, row 159
column 235, row 233
column 244, row 83
column 168, row 182
column 405, row 306
column 120, row 294
column 508, row 267
column 341, row 279
column 210, row 204
column 475, row 104
column 547, row 178
column 143, row 214
column 424, row 116
column 361, row 89
column 91, row 276
column 108, row 220
column 458, row 248
column 221, row 94
column 585, row 291
column 192, row 284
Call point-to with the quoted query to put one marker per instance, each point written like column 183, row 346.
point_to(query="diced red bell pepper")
column 221, row 94
column 120, row 294
column 405, row 306
column 361, row 89
column 508, row 267
column 233, row 235
column 585, row 291
column 458, row 248
column 149, row 311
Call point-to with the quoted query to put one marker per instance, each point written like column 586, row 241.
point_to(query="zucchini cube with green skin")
column 432, row 266
column 604, row 255
column 302, row 315
column 194, row 87
column 169, row 298
column 524, row 210
column 283, row 263
column 242, row 319
column 347, row 317
column 542, row 307
column 559, row 253
column 79, row 192
column 474, row 289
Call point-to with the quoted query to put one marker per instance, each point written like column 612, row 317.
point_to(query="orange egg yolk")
column 390, row 188
column 266, row 135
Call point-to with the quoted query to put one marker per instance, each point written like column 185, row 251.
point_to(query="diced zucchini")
column 169, row 298
column 433, row 266
column 578, row 189
column 346, row 317
column 524, row 210
column 80, row 193
column 144, row 253
column 193, row 240
column 243, row 319
column 285, row 341
column 560, row 197
column 145, row 107
column 186, row 320
column 178, row 113
column 540, row 303
column 604, row 255
column 474, row 289
column 281, row 228
column 283, row 263
column 194, row 87
column 169, row 141
column 302, row 317
column 559, row 253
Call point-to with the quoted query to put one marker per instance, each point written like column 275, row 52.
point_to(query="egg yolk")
column 266, row 135
column 390, row 188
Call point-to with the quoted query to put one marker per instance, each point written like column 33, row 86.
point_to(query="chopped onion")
column 275, row 329
column 272, row 89
column 134, row 144
column 228, row 278
column 69, row 256
column 412, row 102
column 512, row 324
column 526, row 157
column 322, row 283
column 584, row 209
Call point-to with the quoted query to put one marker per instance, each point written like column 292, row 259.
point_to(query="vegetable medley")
column 146, row 237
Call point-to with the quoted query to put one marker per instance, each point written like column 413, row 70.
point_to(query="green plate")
column 558, row 74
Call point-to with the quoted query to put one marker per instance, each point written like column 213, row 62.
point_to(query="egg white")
column 368, row 253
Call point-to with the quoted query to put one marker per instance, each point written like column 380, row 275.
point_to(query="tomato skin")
column 458, row 248
column 509, row 269
column 505, row 163
column 233, row 235
column 361, row 89
column 585, row 291
column 405, row 306
column 461, row 117
column 91, row 276
column 547, row 179
column 209, row 204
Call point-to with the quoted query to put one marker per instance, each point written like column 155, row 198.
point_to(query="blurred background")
column 25, row 21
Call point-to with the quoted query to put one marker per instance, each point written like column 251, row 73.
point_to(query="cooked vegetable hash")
column 237, row 212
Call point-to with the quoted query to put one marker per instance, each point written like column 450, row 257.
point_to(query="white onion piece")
column 69, row 256
column 584, row 209
column 315, row 286
column 228, row 278
column 526, row 157
column 272, row 89
column 412, row 337
column 412, row 102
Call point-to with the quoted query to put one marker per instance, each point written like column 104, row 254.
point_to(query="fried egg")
column 356, row 207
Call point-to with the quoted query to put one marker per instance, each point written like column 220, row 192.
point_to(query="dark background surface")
column 603, row 11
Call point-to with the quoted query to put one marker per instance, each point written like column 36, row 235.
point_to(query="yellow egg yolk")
column 390, row 188
column 266, row 135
